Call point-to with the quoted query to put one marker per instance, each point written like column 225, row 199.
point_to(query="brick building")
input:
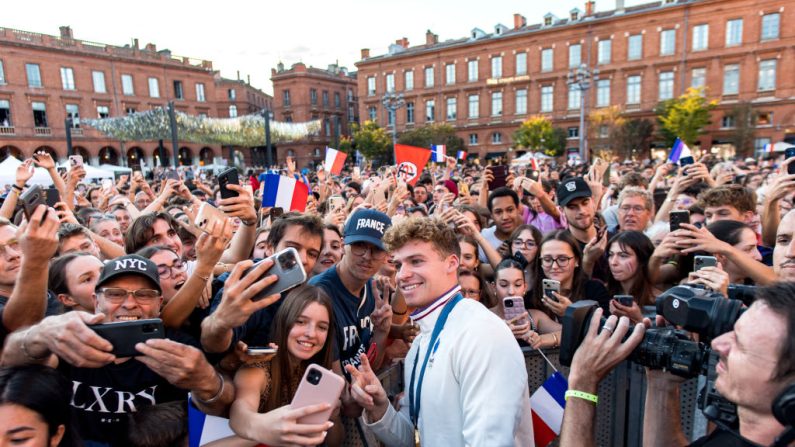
column 46, row 79
column 304, row 93
column 486, row 84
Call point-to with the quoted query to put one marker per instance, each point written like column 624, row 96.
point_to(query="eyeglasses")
column 13, row 244
column 360, row 248
column 635, row 208
column 518, row 243
column 562, row 261
column 168, row 271
column 117, row 295
column 471, row 293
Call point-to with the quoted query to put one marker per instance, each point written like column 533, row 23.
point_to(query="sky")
column 253, row 36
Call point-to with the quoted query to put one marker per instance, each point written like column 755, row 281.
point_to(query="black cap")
column 130, row 265
column 572, row 188
column 367, row 225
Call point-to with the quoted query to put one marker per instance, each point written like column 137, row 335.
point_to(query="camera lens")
column 314, row 376
column 287, row 261
column 509, row 303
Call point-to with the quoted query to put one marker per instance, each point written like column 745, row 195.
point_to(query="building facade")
column 46, row 79
column 303, row 93
column 487, row 84
column 235, row 98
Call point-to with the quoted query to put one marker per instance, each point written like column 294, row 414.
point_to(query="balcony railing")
column 42, row 131
column 7, row 130
column 77, row 132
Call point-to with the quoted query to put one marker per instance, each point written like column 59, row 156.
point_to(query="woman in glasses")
column 560, row 259
column 525, row 241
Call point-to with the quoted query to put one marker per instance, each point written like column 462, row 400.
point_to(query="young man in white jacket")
column 471, row 388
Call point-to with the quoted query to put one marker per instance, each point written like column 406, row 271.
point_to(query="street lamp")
column 582, row 77
column 392, row 102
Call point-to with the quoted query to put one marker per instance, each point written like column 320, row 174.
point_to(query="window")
column 521, row 64
column 430, row 110
column 633, row 90
column 130, row 110
column 73, row 113
column 34, row 75
column 390, row 118
column 605, row 53
column 667, row 42
column 521, row 101
column 200, row 93
column 313, row 96
column 472, row 70
column 573, row 132
column 98, row 78
column 604, row 131
column 473, row 139
column 452, row 104
column 761, row 143
column 410, row 112
column 390, row 82
column 764, row 119
column 546, row 59
column 603, row 93
column 575, row 55
column 325, row 98
column 635, row 47
column 449, row 74
column 734, row 32
column 547, row 93
column 370, row 86
column 575, row 96
column 231, row 94
column 233, row 111
column 179, row 93
column 496, row 138
column 409, row 79
column 770, row 26
column 103, row 112
column 350, row 95
column 154, row 88
column 700, row 37
column 127, row 85
column 698, row 77
column 337, row 102
column 666, row 88
column 2, row 73
column 351, row 114
column 371, row 113
column 731, row 79
column 728, row 122
column 39, row 114
column 5, row 113
column 474, row 106
column 67, row 78
column 496, row 104
column 286, row 98
column 767, row 75
column 496, row 67
column 428, row 77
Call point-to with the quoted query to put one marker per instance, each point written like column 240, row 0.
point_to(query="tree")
column 603, row 128
column 346, row 145
column 537, row 134
column 684, row 117
column 438, row 133
column 742, row 136
column 633, row 137
column 372, row 141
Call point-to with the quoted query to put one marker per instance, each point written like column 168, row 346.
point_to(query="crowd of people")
column 452, row 272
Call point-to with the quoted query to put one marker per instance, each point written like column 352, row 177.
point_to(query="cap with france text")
column 130, row 265
column 572, row 188
column 367, row 225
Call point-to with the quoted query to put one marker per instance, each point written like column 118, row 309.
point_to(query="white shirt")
column 475, row 390
column 490, row 234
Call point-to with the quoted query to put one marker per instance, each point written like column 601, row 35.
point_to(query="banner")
column 410, row 162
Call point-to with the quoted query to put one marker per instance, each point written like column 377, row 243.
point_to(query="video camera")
column 694, row 309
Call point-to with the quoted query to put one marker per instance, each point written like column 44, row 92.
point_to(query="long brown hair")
column 578, row 277
column 641, row 245
column 289, row 312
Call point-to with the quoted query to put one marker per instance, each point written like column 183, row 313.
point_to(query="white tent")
column 114, row 168
column 8, row 173
column 782, row 146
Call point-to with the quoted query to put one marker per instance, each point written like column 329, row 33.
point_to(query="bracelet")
column 582, row 395
column 248, row 224
column 25, row 347
column 218, row 394
column 204, row 278
column 554, row 340
column 17, row 187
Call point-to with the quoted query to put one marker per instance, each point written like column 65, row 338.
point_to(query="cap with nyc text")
column 367, row 225
column 572, row 188
column 130, row 265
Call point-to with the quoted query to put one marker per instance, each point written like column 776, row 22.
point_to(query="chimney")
column 619, row 6
column 238, row 75
column 590, row 5
column 66, row 32
column 248, row 79
column 431, row 38
column 135, row 43
column 519, row 21
column 404, row 42
column 365, row 53
column 151, row 47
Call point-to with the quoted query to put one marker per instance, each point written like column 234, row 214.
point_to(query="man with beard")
column 784, row 251
column 576, row 201
column 505, row 212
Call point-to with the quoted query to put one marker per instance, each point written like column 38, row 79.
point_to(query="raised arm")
column 23, row 174
column 241, row 207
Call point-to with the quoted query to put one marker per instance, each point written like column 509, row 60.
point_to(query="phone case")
column 336, row 203
column 30, row 199
column 699, row 262
column 512, row 307
column 287, row 267
column 126, row 334
column 500, row 176
column 207, row 215
column 550, row 285
column 253, row 351
column 52, row 196
column 318, row 386
column 76, row 160
column 678, row 218
column 624, row 300
column 227, row 177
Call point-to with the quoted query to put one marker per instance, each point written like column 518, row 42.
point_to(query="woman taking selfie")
column 629, row 273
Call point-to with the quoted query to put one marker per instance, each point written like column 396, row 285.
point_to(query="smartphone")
column 549, row 286
column 357, row 171
column 624, row 300
column 287, row 267
column 685, row 161
column 124, row 335
column 463, row 189
column 789, row 153
column 171, row 174
column 699, row 262
column 318, row 386
column 228, row 177
column 260, row 350
column 52, row 196
column 61, row 170
column 606, row 176
column 500, row 176
column 678, row 218
column 600, row 232
column 531, row 173
column 275, row 213
column 336, row 203
column 207, row 215
column 512, row 307
column 75, row 160
column 30, row 199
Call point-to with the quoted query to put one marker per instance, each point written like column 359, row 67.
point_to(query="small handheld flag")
column 461, row 155
column 284, row 192
column 546, row 405
column 679, row 151
column 335, row 160
column 439, row 152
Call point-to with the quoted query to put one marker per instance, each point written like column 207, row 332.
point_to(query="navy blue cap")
column 367, row 225
column 130, row 265
column 572, row 188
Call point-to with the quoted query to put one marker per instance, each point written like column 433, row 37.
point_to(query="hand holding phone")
column 318, row 386
column 677, row 218
column 550, row 286
column 624, row 300
column 699, row 262
column 124, row 335
column 288, row 269
column 76, row 161
column 207, row 216
column 789, row 153
column 512, row 307
column 225, row 178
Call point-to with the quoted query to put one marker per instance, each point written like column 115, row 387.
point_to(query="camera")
column 313, row 376
column 287, row 261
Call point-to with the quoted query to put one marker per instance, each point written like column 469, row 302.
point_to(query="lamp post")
column 582, row 77
column 268, row 116
column 392, row 102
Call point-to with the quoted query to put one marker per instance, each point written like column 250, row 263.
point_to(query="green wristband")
column 582, row 395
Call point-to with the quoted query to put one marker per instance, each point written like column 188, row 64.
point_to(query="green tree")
column 744, row 132
column 372, row 141
column 633, row 138
column 437, row 133
column 538, row 134
column 346, row 145
column 603, row 125
column 684, row 117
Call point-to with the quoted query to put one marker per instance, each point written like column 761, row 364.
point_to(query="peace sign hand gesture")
column 367, row 391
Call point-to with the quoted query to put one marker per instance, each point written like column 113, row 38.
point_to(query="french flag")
column 461, row 155
column 547, row 405
column 204, row 429
column 335, row 160
column 284, row 192
column 679, row 151
column 768, row 148
column 439, row 152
